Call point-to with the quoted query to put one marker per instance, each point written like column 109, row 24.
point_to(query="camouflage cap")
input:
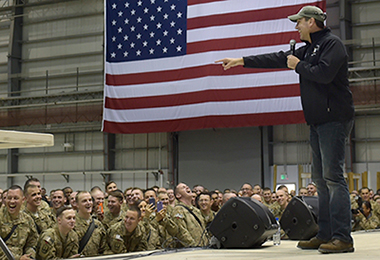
column 309, row 11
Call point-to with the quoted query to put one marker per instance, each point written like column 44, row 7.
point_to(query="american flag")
column 160, row 71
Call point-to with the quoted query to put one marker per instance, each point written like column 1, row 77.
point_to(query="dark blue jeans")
column 328, row 148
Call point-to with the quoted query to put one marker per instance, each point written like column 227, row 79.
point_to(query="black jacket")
column 323, row 72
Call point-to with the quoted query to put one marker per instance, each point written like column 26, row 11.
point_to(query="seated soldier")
column 17, row 228
column 204, row 202
column 42, row 218
column 164, row 198
column 98, row 203
column 60, row 241
column 115, row 213
column 147, row 217
column 364, row 219
column 127, row 235
column 58, row 200
column 282, row 201
column 94, row 242
column 44, row 205
column 190, row 224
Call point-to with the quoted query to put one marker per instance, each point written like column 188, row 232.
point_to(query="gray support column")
column 14, row 67
column 345, row 19
column 345, row 25
column 109, row 151
column 174, row 158
column 267, row 155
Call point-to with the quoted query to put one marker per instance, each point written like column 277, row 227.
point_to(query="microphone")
column 292, row 46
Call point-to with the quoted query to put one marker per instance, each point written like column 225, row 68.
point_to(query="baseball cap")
column 309, row 11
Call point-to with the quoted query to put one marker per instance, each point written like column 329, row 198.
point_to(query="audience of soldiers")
column 71, row 224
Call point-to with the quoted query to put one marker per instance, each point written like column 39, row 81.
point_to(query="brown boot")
column 336, row 246
column 313, row 243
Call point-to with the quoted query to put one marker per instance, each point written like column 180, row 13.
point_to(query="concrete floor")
column 367, row 246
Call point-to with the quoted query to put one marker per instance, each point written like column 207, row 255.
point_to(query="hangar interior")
column 51, row 81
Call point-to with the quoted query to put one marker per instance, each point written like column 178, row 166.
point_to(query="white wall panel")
column 363, row 13
column 141, row 151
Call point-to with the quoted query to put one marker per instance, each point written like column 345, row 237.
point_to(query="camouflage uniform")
column 151, row 232
column 97, row 242
column 109, row 219
column 51, row 245
column 363, row 223
column 209, row 218
column 165, row 228
column 375, row 206
column 189, row 231
column 276, row 210
column 42, row 219
column 44, row 206
column 266, row 204
column 118, row 241
column 24, row 238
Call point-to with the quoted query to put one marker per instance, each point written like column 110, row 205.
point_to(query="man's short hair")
column 95, row 188
column 58, row 190
column 363, row 188
column 30, row 180
column 150, row 189
column 80, row 193
column 199, row 196
column 16, row 187
column 247, row 184
column 319, row 24
column 162, row 192
column 127, row 189
column 267, row 189
column 136, row 209
column 281, row 187
column 61, row 210
column 117, row 194
column 137, row 188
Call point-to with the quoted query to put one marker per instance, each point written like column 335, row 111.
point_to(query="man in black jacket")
column 322, row 65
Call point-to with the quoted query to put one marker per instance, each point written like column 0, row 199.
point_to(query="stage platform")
column 367, row 246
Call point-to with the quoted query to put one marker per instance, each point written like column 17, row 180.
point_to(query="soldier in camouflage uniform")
column 282, row 202
column 190, row 229
column 204, row 202
column 267, row 195
column 58, row 200
column 44, row 205
column 147, row 216
column 166, row 227
column 365, row 196
column 42, row 218
column 60, row 241
column 115, row 213
column 97, row 242
column 127, row 235
column 365, row 219
column 98, row 203
column 164, row 197
column 23, row 239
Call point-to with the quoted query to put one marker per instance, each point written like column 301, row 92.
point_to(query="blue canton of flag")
column 145, row 29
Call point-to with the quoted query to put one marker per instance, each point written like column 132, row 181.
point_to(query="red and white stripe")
column 191, row 92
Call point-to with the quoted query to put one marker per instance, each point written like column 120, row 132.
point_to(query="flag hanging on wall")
column 160, row 74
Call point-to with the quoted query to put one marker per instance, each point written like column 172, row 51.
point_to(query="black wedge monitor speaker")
column 300, row 218
column 243, row 223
